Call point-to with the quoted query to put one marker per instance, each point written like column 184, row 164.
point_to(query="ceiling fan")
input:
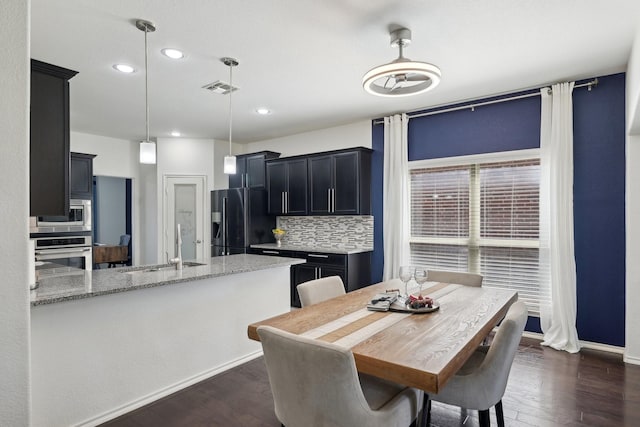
column 402, row 76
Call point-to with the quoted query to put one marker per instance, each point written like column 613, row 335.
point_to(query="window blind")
column 482, row 218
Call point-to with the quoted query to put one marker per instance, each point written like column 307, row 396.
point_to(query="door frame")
column 203, row 251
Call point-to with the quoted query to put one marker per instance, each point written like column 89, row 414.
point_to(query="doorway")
column 112, row 214
column 185, row 204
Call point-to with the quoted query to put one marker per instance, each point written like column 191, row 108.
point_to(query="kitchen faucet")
column 178, row 260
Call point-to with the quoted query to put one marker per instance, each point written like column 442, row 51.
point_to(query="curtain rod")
column 588, row 84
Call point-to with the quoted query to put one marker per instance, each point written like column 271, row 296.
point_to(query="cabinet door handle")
column 333, row 200
column 328, row 200
column 282, row 202
column 271, row 252
column 286, row 195
column 317, row 256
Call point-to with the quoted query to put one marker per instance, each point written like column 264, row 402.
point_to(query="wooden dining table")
column 421, row 350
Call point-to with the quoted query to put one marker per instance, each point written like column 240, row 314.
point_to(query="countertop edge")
column 242, row 268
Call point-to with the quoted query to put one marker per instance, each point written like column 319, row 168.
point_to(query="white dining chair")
column 316, row 384
column 467, row 279
column 482, row 380
column 318, row 290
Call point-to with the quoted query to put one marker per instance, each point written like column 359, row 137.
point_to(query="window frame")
column 474, row 242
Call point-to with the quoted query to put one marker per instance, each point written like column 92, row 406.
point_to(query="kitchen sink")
column 163, row 267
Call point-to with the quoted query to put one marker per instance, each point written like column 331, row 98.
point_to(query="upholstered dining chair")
column 318, row 290
column 482, row 380
column 316, row 384
column 468, row 279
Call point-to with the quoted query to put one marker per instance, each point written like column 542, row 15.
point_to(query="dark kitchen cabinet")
column 287, row 186
column 340, row 183
column 353, row 269
column 49, row 139
column 81, row 176
column 250, row 169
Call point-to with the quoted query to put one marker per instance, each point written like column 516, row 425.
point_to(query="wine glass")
column 420, row 277
column 406, row 273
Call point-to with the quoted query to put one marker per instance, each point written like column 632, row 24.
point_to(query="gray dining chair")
column 318, row 290
column 316, row 384
column 482, row 380
column 468, row 279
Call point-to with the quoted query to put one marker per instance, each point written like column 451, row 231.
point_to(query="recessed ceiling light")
column 175, row 133
column 173, row 53
column 263, row 111
column 124, row 68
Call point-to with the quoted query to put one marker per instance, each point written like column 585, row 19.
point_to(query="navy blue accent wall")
column 377, row 168
column 492, row 128
column 599, row 204
column 599, row 163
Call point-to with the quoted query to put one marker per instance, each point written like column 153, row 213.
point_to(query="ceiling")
column 304, row 59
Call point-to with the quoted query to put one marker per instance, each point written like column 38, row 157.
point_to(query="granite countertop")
column 57, row 285
column 300, row 248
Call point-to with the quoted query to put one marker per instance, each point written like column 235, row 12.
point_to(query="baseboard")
column 585, row 344
column 116, row 412
column 631, row 360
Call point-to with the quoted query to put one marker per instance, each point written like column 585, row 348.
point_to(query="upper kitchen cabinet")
column 287, row 186
column 250, row 169
column 81, row 176
column 49, row 143
column 340, row 182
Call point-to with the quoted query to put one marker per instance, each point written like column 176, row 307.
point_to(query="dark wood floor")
column 546, row 388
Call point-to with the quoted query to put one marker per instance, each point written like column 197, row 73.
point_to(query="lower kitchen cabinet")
column 353, row 269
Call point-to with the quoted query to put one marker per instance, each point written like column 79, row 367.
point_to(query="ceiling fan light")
column 148, row 152
column 230, row 165
column 375, row 81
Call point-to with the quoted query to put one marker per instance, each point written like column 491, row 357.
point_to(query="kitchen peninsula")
column 107, row 341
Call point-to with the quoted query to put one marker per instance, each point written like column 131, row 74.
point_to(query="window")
column 482, row 217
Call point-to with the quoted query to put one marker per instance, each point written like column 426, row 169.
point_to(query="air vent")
column 220, row 87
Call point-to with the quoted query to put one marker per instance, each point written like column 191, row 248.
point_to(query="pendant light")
column 402, row 76
column 147, row 147
column 230, row 160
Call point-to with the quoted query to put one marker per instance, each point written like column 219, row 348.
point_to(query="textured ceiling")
column 304, row 59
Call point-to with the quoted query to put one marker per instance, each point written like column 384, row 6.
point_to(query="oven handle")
column 62, row 251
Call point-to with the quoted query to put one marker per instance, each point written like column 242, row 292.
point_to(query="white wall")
column 632, row 206
column 15, row 389
column 336, row 138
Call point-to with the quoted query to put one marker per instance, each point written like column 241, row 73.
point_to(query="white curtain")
column 395, row 227
column 558, row 309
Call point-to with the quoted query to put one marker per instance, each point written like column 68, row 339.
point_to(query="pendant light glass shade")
column 230, row 165
column 147, row 147
column 230, row 160
column 148, row 152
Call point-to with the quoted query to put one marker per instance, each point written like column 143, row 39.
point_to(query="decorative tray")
column 407, row 309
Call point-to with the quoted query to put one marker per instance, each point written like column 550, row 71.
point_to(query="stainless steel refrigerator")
column 239, row 219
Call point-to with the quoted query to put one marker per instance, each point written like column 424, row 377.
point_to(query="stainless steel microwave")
column 78, row 219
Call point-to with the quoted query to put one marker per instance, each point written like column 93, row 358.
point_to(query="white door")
column 185, row 204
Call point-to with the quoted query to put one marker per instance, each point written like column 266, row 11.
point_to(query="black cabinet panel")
column 250, row 169
column 287, row 186
column 340, row 183
column 49, row 139
column 320, row 183
column 81, row 176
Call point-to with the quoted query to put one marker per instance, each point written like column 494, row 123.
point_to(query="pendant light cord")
column 230, row 114
column 146, row 83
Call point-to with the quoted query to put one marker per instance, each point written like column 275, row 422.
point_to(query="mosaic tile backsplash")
column 340, row 232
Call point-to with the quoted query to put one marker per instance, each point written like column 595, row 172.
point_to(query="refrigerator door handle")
column 224, row 226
